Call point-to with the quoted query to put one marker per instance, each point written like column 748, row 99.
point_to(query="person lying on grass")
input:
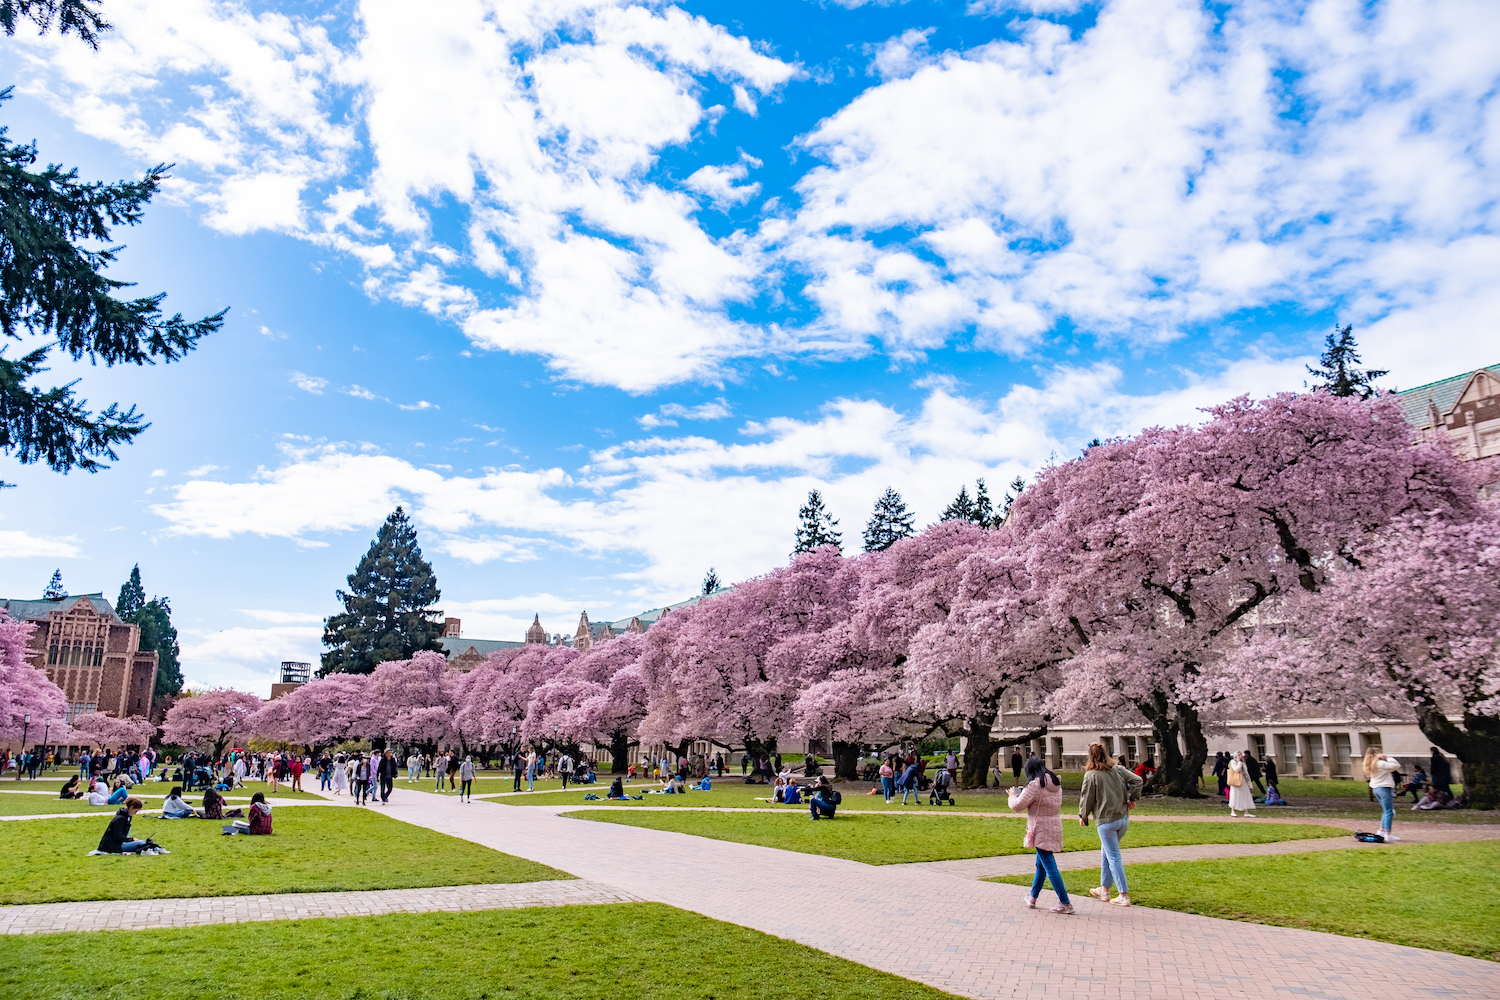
column 116, row 839
column 175, row 808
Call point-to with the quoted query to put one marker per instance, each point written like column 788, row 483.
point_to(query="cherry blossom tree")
column 599, row 696
column 412, row 701
column 494, row 697
column 24, row 690
column 1413, row 633
column 107, row 731
column 1158, row 549
column 212, row 719
column 321, row 712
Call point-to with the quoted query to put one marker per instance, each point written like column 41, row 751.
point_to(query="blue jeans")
column 912, row 791
column 1111, row 864
column 131, row 845
column 1046, row 868
column 885, row 785
column 118, row 795
column 1387, row 798
column 816, row 806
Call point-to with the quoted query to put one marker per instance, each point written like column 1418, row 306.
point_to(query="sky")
column 600, row 290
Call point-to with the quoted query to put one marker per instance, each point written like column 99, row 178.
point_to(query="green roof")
column 1442, row 394
column 484, row 647
column 24, row 610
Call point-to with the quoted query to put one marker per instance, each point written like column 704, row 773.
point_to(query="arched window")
column 52, row 654
column 98, row 655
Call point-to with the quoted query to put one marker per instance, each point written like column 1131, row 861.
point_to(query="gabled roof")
column 454, row 646
column 1443, row 395
column 23, row 610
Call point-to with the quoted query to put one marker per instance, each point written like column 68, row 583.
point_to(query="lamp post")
column 25, row 728
column 46, row 730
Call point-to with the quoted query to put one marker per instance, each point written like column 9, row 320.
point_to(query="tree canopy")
column 154, row 617
column 388, row 608
column 817, row 526
column 889, row 522
column 78, row 17
column 55, row 590
column 1340, row 369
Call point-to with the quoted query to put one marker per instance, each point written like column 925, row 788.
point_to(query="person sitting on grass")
column 260, row 815
column 675, row 786
column 175, row 808
column 823, row 801
column 1273, row 796
column 116, row 839
column 792, row 795
column 70, row 789
column 119, row 795
column 616, row 789
column 213, row 804
column 706, row 785
column 1431, row 799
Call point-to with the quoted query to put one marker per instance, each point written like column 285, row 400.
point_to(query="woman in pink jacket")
column 1042, row 800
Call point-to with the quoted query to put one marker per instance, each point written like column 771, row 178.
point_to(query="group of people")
column 908, row 774
column 117, row 837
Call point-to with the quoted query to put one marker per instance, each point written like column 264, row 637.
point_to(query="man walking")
column 466, row 779
column 413, row 764
column 361, row 780
column 440, row 769
column 387, row 776
column 1252, row 770
column 565, row 768
column 517, row 764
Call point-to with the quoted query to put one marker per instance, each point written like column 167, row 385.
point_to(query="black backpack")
column 1368, row 838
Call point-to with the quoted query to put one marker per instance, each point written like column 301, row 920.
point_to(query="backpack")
column 838, row 797
column 1368, row 838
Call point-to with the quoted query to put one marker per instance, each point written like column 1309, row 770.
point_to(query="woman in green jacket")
column 1108, row 790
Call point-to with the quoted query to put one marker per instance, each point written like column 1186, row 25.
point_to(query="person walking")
column 361, row 780
column 388, row 771
column 1015, row 765
column 1441, row 771
column 1252, row 770
column 887, row 779
column 909, row 784
column 1042, row 799
column 1221, row 772
column 1237, row 780
column 466, row 779
column 565, row 768
column 440, row 770
column 950, row 761
column 1380, row 771
column 413, row 764
column 340, row 776
column 531, row 769
column 1108, row 791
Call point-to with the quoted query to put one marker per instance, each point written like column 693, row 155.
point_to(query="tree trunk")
column 1185, row 782
column 977, row 752
column 845, row 760
column 1477, row 747
column 619, row 752
column 1178, row 773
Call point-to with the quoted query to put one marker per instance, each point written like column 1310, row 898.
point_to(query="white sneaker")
column 1390, row 836
column 1099, row 892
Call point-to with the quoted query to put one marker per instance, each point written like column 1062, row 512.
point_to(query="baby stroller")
column 942, row 789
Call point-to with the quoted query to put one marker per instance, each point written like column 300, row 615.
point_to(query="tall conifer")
column 157, row 631
column 962, row 508
column 889, row 523
column 818, row 527
column 388, row 608
column 132, row 596
column 55, row 590
column 1341, row 373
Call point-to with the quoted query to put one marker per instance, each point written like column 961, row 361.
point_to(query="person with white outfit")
column 1380, row 772
column 341, row 777
column 1241, row 793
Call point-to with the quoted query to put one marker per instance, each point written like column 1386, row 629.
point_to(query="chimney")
column 451, row 628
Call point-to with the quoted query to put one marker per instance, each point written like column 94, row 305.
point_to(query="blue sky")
column 600, row 290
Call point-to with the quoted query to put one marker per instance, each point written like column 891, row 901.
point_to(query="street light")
column 21, row 760
column 46, row 729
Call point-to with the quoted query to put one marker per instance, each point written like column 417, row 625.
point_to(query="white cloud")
column 421, row 404
column 360, row 392
column 668, row 415
column 247, row 659
column 158, row 472
column 720, row 185
column 203, row 470
column 900, row 56
column 24, row 545
column 281, row 617
column 669, row 507
column 308, row 383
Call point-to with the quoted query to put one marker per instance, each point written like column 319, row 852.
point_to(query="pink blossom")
column 213, row 719
column 107, row 731
column 23, row 688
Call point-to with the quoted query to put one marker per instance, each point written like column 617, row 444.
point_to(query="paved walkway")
column 972, row 938
column 154, row 914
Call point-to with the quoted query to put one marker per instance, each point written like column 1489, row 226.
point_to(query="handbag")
column 1236, row 778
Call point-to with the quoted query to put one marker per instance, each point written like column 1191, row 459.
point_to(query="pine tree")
column 52, row 286
column 55, row 590
column 1016, row 486
column 711, row 584
column 158, row 633
column 132, row 596
column 1341, row 373
column 388, row 609
column 889, row 523
column 818, row 527
column 962, row 508
column 72, row 16
column 984, row 508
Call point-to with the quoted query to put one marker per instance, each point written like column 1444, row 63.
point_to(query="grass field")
column 1437, row 896
column 40, row 805
column 543, row 953
column 886, row 840
column 314, row 849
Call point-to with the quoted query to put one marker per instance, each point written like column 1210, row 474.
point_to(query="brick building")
column 90, row 653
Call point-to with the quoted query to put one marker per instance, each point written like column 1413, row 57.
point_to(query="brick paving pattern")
column 154, row 914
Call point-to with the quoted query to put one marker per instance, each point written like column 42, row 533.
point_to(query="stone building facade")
column 90, row 653
column 1465, row 410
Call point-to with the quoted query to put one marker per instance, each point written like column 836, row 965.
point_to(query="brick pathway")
column 153, row 914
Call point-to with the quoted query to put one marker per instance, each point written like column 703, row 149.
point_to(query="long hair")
column 1371, row 756
column 1099, row 760
column 1036, row 770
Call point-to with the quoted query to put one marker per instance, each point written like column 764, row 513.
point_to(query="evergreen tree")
column 1016, row 486
column 1341, row 373
column 132, row 596
column 889, row 523
column 711, row 584
column 52, row 285
column 388, row 609
column 158, row 633
column 76, row 16
column 55, row 590
column 818, row 527
column 962, row 508
column 984, row 508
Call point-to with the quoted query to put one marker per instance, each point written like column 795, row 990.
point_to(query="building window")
column 52, row 654
column 98, row 655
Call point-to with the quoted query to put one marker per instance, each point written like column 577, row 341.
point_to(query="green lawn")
column 41, row 805
column 314, row 849
column 1437, row 896
column 542, row 953
column 886, row 840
